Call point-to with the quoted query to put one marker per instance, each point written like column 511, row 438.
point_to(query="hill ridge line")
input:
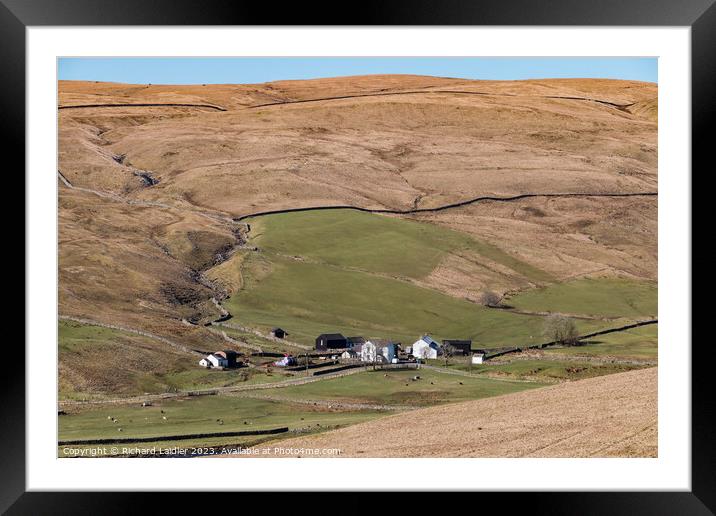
column 445, row 206
column 150, row 104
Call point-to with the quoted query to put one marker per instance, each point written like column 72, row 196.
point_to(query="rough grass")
column 396, row 387
column 96, row 362
column 609, row 297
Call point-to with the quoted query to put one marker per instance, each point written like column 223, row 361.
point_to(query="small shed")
column 279, row 333
column 425, row 347
column 349, row 354
column 331, row 341
column 461, row 347
column 478, row 358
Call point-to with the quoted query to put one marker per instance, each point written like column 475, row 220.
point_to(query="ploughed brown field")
column 608, row 416
column 151, row 176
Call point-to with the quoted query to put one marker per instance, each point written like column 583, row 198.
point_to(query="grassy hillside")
column 609, row 297
column 95, row 362
column 340, row 270
column 309, row 299
column 375, row 243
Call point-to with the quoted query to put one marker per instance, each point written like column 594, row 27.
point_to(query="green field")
column 199, row 415
column 550, row 370
column 608, row 297
column 346, row 271
column 376, row 243
column 308, row 299
column 397, row 387
column 637, row 343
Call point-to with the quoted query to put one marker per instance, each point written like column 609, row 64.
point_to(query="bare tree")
column 447, row 352
column 561, row 329
column 490, row 298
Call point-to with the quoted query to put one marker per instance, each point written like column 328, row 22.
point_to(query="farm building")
column 461, row 347
column 279, row 333
column 350, row 354
column 425, row 347
column 331, row 341
column 228, row 355
column 478, row 358
column 213, row 360
column 379, row 350
column 355, row 341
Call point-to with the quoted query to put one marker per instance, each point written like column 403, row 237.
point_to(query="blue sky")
column 245, row 70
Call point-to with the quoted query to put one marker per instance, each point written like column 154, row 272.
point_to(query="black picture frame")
column 700, row 15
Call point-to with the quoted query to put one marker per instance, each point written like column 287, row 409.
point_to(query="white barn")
column 425, row 347
column 478, row 358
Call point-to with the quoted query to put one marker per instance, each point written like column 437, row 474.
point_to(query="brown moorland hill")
column 152, row 174
column 608, row 416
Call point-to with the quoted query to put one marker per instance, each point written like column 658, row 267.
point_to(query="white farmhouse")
column 425, row 347
column 378, row 350
column 213, row 360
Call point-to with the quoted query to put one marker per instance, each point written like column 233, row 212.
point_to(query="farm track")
column 621, row 107
column 253, row 331
column 142, row 333
column 208, row 392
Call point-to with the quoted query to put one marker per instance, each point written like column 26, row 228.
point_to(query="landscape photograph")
column 362, row 257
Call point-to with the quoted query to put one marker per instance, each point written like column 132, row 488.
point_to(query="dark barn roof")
column 331, row 336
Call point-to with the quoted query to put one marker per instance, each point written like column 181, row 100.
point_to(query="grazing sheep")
column 119, row 429
column 164, row 418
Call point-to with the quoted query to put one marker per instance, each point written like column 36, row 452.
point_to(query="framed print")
column 429, row 248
